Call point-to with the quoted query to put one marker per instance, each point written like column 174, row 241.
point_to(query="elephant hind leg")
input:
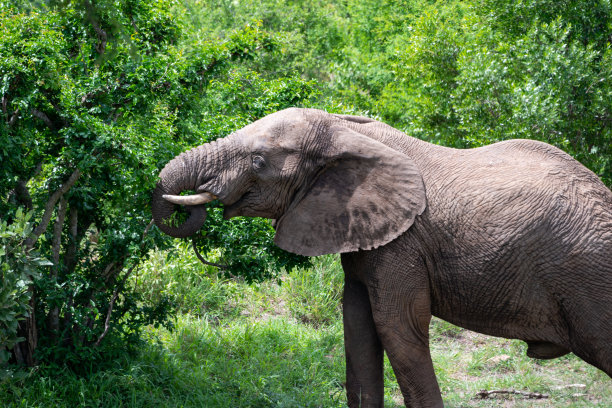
column 596, row 354
column 595, row 351
column 590, row 331
column 544, row 351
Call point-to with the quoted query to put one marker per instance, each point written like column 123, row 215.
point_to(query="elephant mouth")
column 235, row 209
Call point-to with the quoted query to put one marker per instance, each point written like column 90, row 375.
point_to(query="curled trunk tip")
column 164, row 215
column 180, row 174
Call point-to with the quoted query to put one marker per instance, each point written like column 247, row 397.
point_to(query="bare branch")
column 484, row 394
column 108, row 316
column 13, row 118
column 102, row 37
column 44, row 222
column 205, row 262
column 109, row 269
column 43, row 116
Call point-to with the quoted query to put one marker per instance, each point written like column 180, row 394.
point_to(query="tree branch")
column 44, row 222
column 73, row 230
column 43, row 116
column 108, row 271
column 22, row 194
column 484, row 394
column 102, row 37
column 205, row 262
column 88, row 95
column 13, row 118
column 57, row 234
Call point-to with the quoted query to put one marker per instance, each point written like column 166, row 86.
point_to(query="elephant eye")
column 258, row 162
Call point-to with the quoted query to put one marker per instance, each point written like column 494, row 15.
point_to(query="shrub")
column 96, row 98
column 19, row 267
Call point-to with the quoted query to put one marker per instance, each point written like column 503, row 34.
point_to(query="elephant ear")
column 366, row 196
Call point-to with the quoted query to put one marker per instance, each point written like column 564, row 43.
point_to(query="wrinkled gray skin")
column 512, row 240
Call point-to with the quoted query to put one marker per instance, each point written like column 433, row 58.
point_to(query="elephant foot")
column 545, row 351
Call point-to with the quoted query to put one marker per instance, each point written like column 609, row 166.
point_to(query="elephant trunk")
column 183, row 173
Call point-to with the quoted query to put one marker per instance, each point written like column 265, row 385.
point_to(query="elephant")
column 512, row 239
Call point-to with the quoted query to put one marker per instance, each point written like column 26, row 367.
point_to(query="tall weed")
column 190, row 287
column 314, row 295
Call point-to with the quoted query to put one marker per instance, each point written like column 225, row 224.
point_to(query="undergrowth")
column 280, row 344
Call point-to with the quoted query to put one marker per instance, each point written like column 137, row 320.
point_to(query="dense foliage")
column 97, row 96
column 18, row 268
column 458, row 73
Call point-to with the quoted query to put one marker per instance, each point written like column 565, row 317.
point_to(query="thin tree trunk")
column 24, row 351
column 53, row 318
column 73, row 239
column 27, row 327
column 75, row 236
column 53, row 199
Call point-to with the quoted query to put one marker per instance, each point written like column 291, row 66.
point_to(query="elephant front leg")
column 402, row 321
column 364, row 353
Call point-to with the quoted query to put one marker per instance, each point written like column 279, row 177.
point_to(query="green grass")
column 281, row 345
column 468, row 362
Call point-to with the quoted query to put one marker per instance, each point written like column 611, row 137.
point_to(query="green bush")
column 544, row 84
column 96, row 98
column 245, row 247
column 19, row 267
column 178, row 277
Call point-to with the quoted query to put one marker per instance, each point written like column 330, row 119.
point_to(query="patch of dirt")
column 277, row 307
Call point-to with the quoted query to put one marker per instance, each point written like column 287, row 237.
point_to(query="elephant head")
column 330, row 186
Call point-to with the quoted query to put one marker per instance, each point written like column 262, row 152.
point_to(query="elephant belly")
column 503, row 305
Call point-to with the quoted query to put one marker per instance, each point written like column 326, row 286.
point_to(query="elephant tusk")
column 195, row 199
